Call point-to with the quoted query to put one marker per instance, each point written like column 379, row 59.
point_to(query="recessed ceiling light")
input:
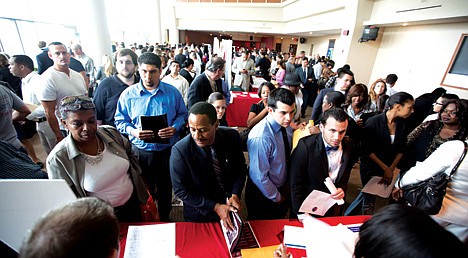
column 310, row 32
column 405, row 24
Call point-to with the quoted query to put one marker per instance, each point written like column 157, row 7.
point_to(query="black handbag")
column 428, row 195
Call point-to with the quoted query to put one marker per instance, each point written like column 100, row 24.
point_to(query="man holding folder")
column 151, row 97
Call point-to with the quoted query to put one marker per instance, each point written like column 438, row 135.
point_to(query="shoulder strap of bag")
column 460, row 160
column 454, row 168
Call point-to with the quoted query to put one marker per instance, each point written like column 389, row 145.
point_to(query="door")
column 278, row 47
column 311, row 51
column 293, row 49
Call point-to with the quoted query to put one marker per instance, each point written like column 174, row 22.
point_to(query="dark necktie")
column 304, row 75
column 287, row 147
column 217, row 167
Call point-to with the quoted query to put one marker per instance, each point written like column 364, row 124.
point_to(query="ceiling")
column 278, row 35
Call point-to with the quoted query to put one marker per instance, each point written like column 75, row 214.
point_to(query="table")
column 206, row 240
column 238, row 110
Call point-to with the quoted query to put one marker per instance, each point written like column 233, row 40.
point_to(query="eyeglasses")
column 450, row 112
column 437, row 103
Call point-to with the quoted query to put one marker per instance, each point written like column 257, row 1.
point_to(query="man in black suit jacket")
column 43, row 59
column 309, row 86
column 209, row 187
column 207, row 82
column 316, row 157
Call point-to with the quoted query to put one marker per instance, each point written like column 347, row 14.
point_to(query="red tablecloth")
column 206, row 239
column 238, row 111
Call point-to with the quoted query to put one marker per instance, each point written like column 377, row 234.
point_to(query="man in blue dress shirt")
column 269, row 147
column 151, row 97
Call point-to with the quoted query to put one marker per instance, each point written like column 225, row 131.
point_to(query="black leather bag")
column 428, row 195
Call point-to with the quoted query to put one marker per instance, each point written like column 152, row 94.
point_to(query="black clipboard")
column 155, row 123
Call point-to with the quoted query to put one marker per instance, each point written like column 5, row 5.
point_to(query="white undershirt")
column 109, row 180
column 392, row 138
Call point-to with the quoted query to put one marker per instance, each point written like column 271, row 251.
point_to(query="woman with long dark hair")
column 356, row 100
column 384, row 144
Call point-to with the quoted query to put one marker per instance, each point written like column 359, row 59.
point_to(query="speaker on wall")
column 302, row 40
column 251, row 38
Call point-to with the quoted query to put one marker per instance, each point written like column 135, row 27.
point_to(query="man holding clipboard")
column 162, row 106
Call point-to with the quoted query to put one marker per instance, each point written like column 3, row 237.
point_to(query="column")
column 173, row 31
column 93, row 30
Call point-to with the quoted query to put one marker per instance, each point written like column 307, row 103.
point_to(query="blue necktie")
column 330, row 148
column 304, row 76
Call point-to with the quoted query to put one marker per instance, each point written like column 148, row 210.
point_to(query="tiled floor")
column 177, row 215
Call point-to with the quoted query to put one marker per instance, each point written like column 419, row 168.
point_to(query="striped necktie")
column 217, row 167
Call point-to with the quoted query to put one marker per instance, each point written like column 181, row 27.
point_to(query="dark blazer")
column 76, row 65
column 43, row 61
column 309, row 168
column 309, row 75
column 184, row 73
column 194, row 180
column 317, row 108
column 200, row 90
column 377, row 140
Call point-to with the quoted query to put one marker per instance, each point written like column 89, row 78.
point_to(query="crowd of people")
column 91, row 125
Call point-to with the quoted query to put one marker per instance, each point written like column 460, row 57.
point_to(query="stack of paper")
column 324, row 240
column 151, row 241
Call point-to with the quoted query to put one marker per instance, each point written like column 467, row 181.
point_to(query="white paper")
column 294, row 237
column 325, row 241
column 331, row 187
column 317, row 203
column 150, row 241
column 253, row 95
column 382, row 190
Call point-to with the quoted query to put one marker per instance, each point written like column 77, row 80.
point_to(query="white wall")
column 389, row 11
column 320, row 44
column 419, row 55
